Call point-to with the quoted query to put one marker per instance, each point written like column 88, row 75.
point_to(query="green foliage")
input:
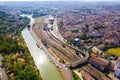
column 70, row 42
column 114, row 51
column 25, row 72
column 9, row 45
column 75, row 76
column 12, row 46
column 37, row 14
column 62, row 61
column 21, row 71
column 25, row 12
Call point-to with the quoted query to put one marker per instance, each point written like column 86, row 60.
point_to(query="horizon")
column 59, row 0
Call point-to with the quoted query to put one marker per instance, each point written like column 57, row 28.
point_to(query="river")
column 47, row 70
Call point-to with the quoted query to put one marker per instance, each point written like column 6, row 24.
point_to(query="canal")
column 47, row 70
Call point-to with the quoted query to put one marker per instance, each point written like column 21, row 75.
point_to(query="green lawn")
column 114, row 51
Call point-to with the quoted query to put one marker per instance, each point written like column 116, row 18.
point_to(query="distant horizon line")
column 57, row 1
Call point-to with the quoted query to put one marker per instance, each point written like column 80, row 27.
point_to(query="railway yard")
column 72, row 57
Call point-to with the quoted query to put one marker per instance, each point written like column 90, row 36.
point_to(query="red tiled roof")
column 98, row 62
column 94, row 55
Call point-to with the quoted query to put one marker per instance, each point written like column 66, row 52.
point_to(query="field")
column 114, row 51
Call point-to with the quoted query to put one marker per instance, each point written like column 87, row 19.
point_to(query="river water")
column 47, row 70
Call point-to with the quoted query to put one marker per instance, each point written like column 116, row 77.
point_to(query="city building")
column 98, row 62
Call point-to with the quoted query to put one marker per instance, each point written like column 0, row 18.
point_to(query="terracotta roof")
column 98, row 62
column 94, row 55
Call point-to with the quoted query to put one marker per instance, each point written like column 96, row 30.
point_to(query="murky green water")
column 46, row 68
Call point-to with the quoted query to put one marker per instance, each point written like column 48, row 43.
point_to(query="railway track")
column 53, row 42
column 58, row 46
column 66, row 44
column 78, row 61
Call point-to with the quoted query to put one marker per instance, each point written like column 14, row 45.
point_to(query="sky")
column 59, row 0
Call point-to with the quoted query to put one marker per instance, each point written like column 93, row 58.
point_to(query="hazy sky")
column 59, row 0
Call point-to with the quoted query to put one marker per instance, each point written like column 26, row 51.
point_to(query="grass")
column 114, row 51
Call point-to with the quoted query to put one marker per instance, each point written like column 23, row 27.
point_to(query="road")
column 55, row 31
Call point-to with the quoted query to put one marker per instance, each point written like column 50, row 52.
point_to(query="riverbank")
column 17, row 61
column 41, row 60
